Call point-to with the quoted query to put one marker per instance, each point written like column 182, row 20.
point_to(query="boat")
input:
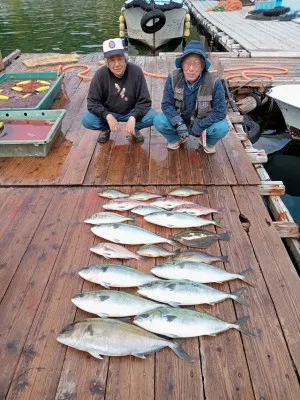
column 288, row 100
column 154, row 22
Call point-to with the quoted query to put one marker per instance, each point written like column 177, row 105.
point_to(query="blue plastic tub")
column 264, row 5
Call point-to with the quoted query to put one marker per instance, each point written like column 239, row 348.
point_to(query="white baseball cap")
column 113, row 46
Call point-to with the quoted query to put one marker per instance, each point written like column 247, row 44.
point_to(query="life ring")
column 157, row 16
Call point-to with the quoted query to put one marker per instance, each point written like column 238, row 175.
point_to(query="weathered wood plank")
column 271, row 188
column 279, row 273
column 287, row 229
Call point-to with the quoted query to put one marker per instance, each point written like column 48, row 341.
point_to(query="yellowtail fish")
column 113, row 303
column 184, row 323
column 122, row 204
column 17, row 89
column 196, row 210
column 152, row 250
column 185, row 192
column 144, row 196
column 145, row 210
column 42, row 89
column 106, row 217
column 179, row 220
column 108, row 337
column 113, row 194
column 169, row 203
column 111, row 250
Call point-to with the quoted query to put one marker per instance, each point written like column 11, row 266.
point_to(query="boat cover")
column 148, row 5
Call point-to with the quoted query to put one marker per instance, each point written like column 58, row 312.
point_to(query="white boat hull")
column 288, row 99
column 173, row 28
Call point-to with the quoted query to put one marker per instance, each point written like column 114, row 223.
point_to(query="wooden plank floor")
column 256, row 37
column 44, row 242
column 76, row 158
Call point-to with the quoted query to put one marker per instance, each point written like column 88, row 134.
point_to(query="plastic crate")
column 49, row 97
column 31, row 147
column 264, row 5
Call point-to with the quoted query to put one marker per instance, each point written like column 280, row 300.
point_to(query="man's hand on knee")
column 130, row 126
column 113, row 124
column 182, row 130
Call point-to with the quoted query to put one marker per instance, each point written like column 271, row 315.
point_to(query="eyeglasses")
column 195, row 64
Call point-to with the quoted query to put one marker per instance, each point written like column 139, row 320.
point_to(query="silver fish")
column 185, row 293
column 144, row 196
column 121, row 204
column 115, row 275
column 201, row 238
column 185, row 192
column 106, row 217
column 197, row 272
column 198, row 255
column 184, row 323
column 197, row 210
column 169, row 203
column 111, row 250
column 145, row 210
column 151, row 250
column 112, row 194
column 178, row 220
column 113, row 303
column 109, row 337
column 128, row 234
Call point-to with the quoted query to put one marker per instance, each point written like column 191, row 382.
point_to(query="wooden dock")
column 247, row 37
column 44, row 242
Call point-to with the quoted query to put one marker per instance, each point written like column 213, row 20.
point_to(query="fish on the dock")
column 186, row 293
column 109, row 337
column 196, row 210
column 199, row 238
column 145, row 210
column 128, row 234
column 197, row 272
column 152, row 250
column 184, row 323
column 198, row 255
column 111, row 250
column 122, row 204
column 115, row 275
column 113, row 303
column 185, row 192
column 144, row 196
column 113, row 194
column 179, row 220
column 169, row 203
column 106, row 217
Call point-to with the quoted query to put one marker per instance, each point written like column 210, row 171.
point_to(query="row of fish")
column 184, row 285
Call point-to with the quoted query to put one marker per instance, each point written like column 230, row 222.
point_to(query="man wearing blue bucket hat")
column 193, row 102
column 118, row 93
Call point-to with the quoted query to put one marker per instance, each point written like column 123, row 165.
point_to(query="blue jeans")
column 91, row 121
column 213, row 134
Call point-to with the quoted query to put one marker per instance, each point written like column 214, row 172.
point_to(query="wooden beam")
column 11, row 57
column 1, row 62
column 271, row 188
column 257, row 156
column 287, row 229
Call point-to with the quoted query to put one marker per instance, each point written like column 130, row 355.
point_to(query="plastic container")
column 50, row 96
column 264, row 5
column 30, row 147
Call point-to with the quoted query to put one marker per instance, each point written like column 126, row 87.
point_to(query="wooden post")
column 1, row 62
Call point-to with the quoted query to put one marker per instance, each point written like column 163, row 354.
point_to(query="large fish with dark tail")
column 199, row 238
column 115, row 275
column 108, row 337
column 113, row 303
column 171, row 219
column 197, row 272
column 198, row 255
column 184, row 323
column 186, row 293
column 128, row 234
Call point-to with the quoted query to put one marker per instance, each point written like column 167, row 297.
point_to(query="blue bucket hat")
column 193, row 47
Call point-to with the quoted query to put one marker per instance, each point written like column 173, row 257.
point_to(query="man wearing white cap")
column 118, row 93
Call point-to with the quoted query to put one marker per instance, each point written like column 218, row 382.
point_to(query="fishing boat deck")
column 257, row 38
column 44, row 242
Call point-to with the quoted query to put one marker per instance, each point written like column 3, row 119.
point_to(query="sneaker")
column 103, row 136
column 208, row 149
column 176, row 145
column 138, row 137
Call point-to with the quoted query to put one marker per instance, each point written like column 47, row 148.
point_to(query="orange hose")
column 81, row 74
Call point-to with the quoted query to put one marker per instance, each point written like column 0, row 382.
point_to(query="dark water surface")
column 62, row 26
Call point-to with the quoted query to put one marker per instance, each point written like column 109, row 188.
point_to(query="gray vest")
column 204, row 97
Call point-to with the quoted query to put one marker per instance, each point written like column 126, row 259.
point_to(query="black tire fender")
column 159, row 20
column 252, row 129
